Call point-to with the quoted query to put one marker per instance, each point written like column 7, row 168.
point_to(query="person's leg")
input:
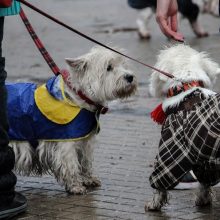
column 7, row 178
column 11, row 203
column 191, row 12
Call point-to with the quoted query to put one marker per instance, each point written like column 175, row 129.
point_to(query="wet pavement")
column 128, row 139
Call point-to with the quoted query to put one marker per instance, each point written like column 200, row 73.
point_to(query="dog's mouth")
column 125, row 87
column 127, row 91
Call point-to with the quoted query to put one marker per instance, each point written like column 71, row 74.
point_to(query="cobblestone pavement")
column 127, row 143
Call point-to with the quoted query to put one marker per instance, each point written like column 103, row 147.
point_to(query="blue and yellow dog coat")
column 45, row 113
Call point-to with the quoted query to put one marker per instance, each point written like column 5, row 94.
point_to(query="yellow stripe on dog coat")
column 28, row 122
column 55, row 110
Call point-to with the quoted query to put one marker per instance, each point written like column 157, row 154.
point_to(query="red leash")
column 52, row 64
column 39, row 44
column 91, row 39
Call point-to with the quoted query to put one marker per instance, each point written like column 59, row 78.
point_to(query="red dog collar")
column 100, row 108
column 184, row 87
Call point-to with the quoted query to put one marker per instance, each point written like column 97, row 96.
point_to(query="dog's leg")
column 191, row 10
column 62, row 159
column 204, row 196
column 160, row 199
column 86, row 163
column 198, row 29
column 142, row 23
column 23, row 157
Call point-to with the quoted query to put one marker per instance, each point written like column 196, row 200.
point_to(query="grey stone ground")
column 128, row 138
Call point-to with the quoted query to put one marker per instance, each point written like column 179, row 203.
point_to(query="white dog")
column 190, row 117
column 53, row 127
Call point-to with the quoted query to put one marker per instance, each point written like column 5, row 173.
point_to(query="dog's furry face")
column 186, row 64
column 102, row 75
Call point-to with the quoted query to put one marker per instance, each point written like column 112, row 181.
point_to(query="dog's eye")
column 109, row 68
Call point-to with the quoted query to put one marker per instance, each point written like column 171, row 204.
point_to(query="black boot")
column 15, row 207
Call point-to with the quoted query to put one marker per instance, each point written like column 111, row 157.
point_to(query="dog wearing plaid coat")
column 53, row 126
column 190, row 135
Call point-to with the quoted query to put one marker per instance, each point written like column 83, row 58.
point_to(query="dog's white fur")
column 186, row 64
column 102, row 76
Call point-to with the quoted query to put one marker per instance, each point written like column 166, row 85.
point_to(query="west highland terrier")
column 190, row 118
column 53, row 127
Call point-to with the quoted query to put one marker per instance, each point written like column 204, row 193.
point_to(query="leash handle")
column 39, row 44
column 91, row 39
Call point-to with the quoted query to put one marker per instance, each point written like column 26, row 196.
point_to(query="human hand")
column 166, row 16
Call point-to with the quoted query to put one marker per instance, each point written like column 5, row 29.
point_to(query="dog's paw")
column 198, row 30
column 92, row 182
column 144, row 36
column 204, row 196
column 202, row 34
column 95, row 182
column 151, row 206
column 202, row 201
column 77, row 190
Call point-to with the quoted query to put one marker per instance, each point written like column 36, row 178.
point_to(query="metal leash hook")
column 91, row 39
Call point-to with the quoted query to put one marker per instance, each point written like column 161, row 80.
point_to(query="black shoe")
column 17, row 206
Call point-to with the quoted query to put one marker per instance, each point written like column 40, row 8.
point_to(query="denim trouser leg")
column 7, row 158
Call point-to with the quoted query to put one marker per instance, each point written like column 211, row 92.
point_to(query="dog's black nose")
column 129, row 77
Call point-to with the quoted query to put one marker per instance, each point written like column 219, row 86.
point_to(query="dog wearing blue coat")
column 53, row 126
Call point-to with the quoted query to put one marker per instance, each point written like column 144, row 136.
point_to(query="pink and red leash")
column 55, row 69
column 90, row 38
column 157, row 114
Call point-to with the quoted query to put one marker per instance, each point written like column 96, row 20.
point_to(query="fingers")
column 173, row 22
column 170, row 28
column 166, row 16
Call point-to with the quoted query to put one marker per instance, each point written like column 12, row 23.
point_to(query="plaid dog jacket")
column 190, row 140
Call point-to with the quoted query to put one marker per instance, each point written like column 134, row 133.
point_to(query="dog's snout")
column 129, row 78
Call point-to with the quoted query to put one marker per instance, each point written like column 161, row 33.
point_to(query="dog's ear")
column 156, row 84
column 78, row 65
column 212, row 68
